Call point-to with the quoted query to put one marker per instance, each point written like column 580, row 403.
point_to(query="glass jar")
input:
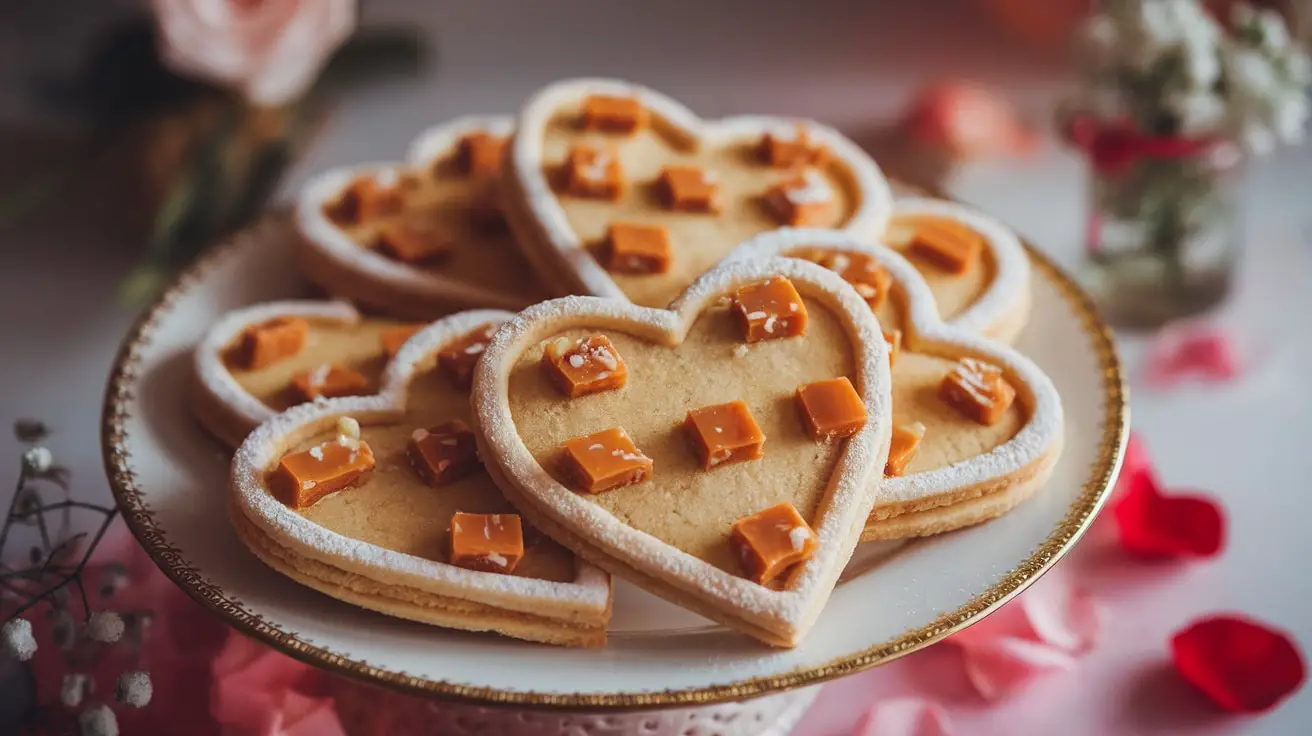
column 1165, row 228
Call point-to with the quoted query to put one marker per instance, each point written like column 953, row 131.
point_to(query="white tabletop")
column 850, row 64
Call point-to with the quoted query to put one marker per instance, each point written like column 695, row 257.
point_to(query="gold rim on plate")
column 169, row 558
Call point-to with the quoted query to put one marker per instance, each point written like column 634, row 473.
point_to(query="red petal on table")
column 1240, row 664
column 1152, row 524
column 969, row 121
column 1039, row 632
column 904, row 717
column 1136, row 463
column 1192, row 351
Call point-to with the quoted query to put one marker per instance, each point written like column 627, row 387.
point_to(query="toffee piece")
column 831, row 409
column 302, row 478
column 329, row 381
column 583, row 366
column 269, row 342
column 610, row 114
column 770, row 542
column 394, row 337
column 948, row 245
column 459, row 358
column 769, row 309
column 604, row 461
column 486, row 542
column 903, row 447
column 690, row 189
column 368, row 198
column 724, row 433
column 803, row 200
column 443, row 454
column 789, row 147
column 480, row 155
column 978, row 390
column 594, row 173
column 413, row 243
column 637, row 249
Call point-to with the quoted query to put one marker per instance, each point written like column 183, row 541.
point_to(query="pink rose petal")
column 1004, row 666
column 1197, row 351
column 904, row 717
column 1039, row 632
column 969, row 121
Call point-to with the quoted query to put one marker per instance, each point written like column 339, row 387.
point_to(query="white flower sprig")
column 1176, row 71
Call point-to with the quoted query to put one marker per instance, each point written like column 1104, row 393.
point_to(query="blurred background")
column 1134, row 152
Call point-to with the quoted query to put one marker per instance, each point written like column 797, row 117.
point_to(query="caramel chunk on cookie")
column 611, row 114
column 583, row 366
column 803, row 200
column 690, row 189
column 770, row 542
column 978, row 390
column 459, row 358
column 831, row 408
column 724, row 433
column 413, row 243
column 443, row 454
column 594, row 173
column 394, row 337
column 480, row 155
column 268, row 342
column 787, row 147
column 947, row 244
column 603, row 461
column 329, row 381
column 902, row 449
column 486, row 542
column 894, row 340
column 637, row 249
column 769, row 309
column 302, row 478
column 368, row 198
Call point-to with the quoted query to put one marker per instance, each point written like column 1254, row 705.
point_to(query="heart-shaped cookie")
column 421, row 238
column 593, row 158
column 262, row 359
column 672, row 447
column 967, row 461
column 975, row 266
column 380, row 501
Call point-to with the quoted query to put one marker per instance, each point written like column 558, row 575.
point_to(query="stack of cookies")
column 607, row 337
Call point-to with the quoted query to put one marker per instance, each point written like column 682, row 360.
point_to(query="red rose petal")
column 1155, row 525
column 1240, row 664
column 969, row 121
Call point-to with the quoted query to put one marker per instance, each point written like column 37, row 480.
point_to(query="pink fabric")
column 904, row 717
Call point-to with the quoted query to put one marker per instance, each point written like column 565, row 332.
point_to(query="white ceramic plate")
column 170, row 479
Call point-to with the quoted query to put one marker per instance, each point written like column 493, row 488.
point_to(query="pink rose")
column 270, row 50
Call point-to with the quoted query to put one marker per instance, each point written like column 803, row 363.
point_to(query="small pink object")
column 1192, row 351
column 904, row 717
column 970, row 121
column 1041, row 631
column 259, row 691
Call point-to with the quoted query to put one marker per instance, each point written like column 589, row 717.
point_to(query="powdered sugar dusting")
column 415, row 286
column 1041, row 433
column 213, row 374
column 874, row 200
column 789, row 613
column 588, row 595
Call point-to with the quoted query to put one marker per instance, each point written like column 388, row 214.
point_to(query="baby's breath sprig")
column 53, row 576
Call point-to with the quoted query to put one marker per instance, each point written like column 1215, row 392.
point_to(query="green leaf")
column 142, row 284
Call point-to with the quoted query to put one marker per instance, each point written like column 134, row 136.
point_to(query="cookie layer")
column 483, row 267
column 562, row 234
column 963, row 472
column 657, row 534
column 385, row 542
